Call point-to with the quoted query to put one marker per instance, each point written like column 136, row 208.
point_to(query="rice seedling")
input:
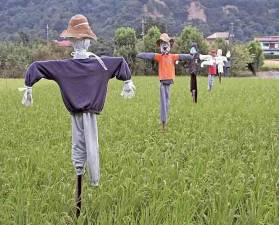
column 217, row 163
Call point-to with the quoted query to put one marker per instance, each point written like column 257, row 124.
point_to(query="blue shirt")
column 83, row 82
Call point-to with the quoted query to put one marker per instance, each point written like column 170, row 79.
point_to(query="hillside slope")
column 31, row 16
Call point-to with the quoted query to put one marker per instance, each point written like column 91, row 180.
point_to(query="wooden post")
column 78, row 195
column 220, row 77
column 194, row 87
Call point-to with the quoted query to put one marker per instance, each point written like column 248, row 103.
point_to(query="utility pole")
column 142, row 27
column 143, row 34
column 231, row 33
column 166, row 28
column 47, row 33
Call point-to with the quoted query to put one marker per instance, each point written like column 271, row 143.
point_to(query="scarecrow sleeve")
column 184, row 57
column 146, row 55
column 123, row 71
column 39, row 70
column 207, row 60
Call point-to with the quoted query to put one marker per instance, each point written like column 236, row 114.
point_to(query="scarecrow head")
column 219, row 52
column 165, row 43
column 194, row 49
column 212, row 52
column 79, row 32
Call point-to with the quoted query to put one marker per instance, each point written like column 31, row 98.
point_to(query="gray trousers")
column 210, row 82
column 164, row 101
column 85, row 145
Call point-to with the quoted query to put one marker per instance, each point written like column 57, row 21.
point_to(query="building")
column 63, row 43
column 269, row 44
column 218, row 35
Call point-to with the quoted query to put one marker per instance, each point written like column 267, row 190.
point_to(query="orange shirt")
column 166, row 65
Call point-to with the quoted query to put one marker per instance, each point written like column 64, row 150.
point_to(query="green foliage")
column 153, row 34
column 125, row 45
column 256, row 53
column 217, row 164
column 271, row 56
column 220, row 43
column 150, row 39
column 240, row 58
column 125, row 36
column 150, row 23
column 31, row 17
column 102, row 47
column 184, row 42
column 15, row 57
column 188, row 36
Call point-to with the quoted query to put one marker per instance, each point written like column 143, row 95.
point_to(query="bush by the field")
column 271, row 56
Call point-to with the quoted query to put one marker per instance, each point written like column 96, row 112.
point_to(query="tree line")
column 16, row 56
column 250, row 18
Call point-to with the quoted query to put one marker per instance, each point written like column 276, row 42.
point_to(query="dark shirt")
column 194, row 64
column 83, row 82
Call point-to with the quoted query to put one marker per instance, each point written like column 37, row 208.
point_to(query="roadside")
column 268, row 74
column 270, row 69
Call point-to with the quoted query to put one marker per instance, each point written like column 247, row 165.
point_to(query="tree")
column 23, row 37
column 102, row 47
column 184, row 42
column 188, row 36
column 150, row 39
column 153, row 34
column 220, row 43
column 125, row 36
column 125, row 44
column 150, row 23
column 241, row 57
column 256, row 53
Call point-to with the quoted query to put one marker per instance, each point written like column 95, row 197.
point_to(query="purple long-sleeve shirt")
column 83, row 82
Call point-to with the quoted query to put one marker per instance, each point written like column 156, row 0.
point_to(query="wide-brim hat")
column 78, row 28
column 165, row 38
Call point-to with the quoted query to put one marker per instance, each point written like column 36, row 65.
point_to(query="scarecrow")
column 193, row 69
column 166, row 62
column 227, row 64
column 221, row 62
column 212, row 69
column 83, row 82
column 215, row 63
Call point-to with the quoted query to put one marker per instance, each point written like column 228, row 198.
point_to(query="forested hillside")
column 250, row 17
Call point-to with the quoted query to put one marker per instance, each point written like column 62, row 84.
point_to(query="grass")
column 217, row 164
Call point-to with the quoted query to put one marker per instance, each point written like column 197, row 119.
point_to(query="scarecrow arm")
column 205, row 57
column 206, row 63
column 207, row 60
column 35, row 72
column 123, row 73
column 146, row 55
column 185, row 57
column 220, row 60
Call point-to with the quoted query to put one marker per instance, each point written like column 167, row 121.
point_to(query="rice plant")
column 217, row 163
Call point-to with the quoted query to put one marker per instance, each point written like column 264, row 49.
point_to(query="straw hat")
column 78, row 27
column 164, row 37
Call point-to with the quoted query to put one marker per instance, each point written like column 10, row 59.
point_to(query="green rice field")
column 216, row 164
